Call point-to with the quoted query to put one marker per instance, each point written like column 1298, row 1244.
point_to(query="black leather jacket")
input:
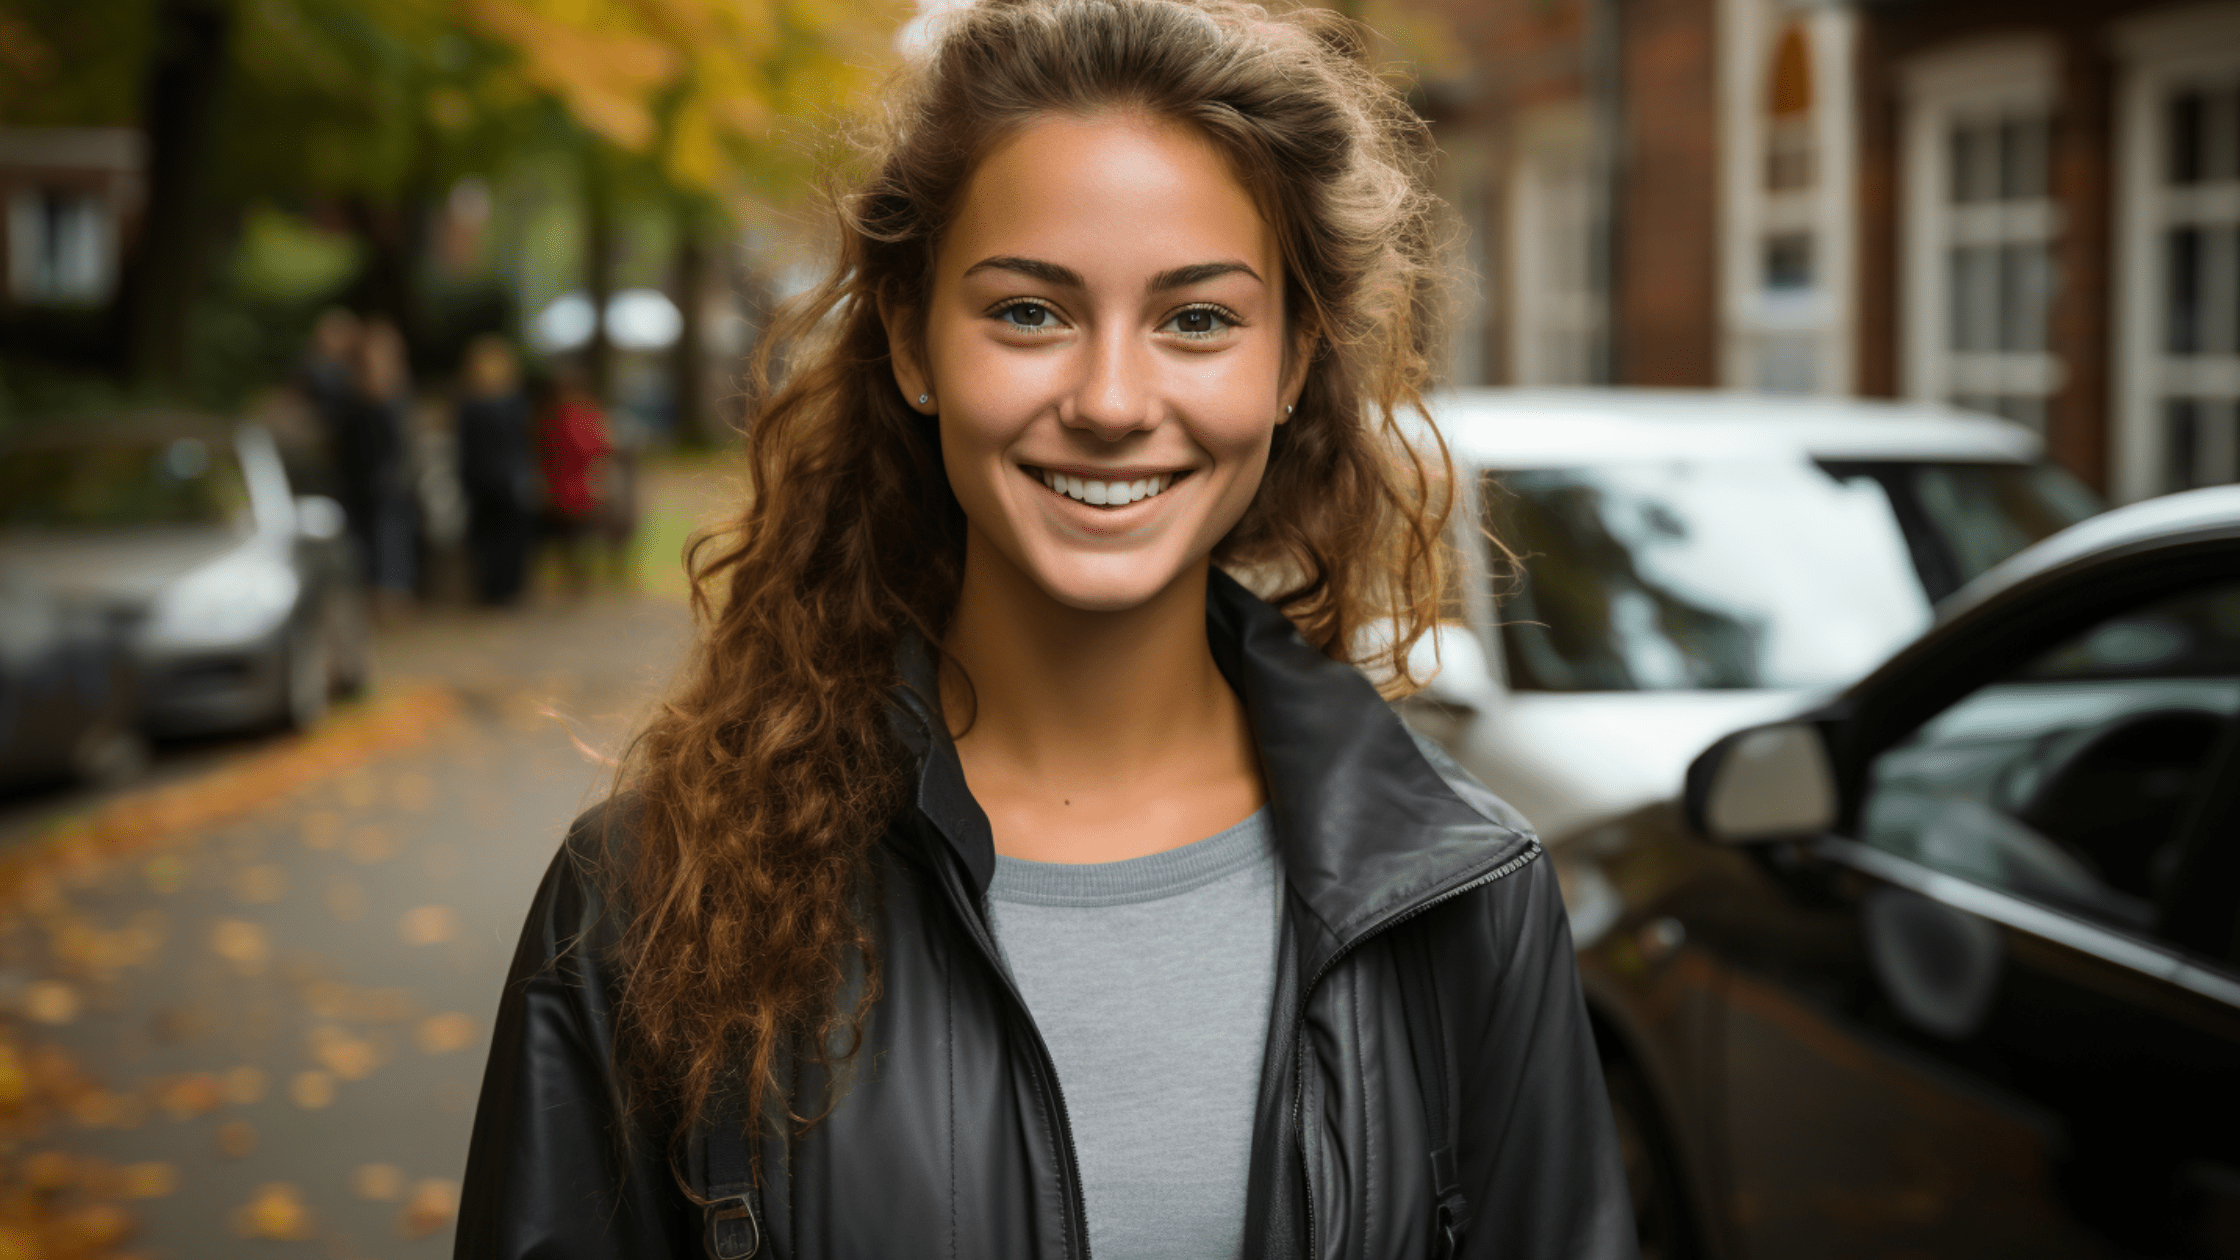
column 951, row 1138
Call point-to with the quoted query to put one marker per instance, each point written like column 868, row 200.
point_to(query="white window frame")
column 2018, row 74
column 1540, row 309
column 2157, row 53
column 1748, row 32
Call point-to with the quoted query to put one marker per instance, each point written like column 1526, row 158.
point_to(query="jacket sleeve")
column 556, row 1170
column 1538, row 1152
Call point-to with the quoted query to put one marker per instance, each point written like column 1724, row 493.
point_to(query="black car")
column 1947, row 967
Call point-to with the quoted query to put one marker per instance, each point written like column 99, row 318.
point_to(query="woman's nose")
column 1114, row 397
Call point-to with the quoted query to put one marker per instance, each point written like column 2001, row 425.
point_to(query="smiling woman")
column 1024, row 849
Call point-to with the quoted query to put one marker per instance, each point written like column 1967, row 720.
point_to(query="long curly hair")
column 770, row 770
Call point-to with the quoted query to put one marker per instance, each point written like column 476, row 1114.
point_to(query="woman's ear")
column 902, row 353
column 1298, row 357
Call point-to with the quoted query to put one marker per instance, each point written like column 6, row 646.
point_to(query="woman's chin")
column 1105, row 583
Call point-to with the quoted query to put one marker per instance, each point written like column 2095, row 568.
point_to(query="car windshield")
column 1747, row 574
column 136, row 482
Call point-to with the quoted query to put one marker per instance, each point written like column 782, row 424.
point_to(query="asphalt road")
column 244, row 1007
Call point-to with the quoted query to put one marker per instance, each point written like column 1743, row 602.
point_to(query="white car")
column 1693, row 563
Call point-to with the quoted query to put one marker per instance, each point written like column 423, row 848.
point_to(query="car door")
column 1996, row 1011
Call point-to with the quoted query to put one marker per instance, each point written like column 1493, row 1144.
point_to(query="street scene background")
column 480, row 277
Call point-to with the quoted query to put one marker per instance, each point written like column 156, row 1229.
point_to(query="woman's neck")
column 1093, row 736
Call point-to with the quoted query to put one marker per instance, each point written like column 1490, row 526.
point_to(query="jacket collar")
column 1369, row 828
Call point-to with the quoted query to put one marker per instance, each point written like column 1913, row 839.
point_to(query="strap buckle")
column 731, row 1230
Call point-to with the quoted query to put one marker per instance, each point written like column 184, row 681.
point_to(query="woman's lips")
column 1105, row 492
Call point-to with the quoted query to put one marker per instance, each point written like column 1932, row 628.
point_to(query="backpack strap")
column 730, row 1228
column 1427, row 1043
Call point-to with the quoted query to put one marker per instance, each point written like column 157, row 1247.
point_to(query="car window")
column 1963, row 518
column 141, row 482
column 1688, row 575
column 1718, row 574
column 2068, row 781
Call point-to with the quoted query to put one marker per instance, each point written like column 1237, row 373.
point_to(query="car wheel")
column 1660, row 1212
column 307, row 676
column 109, row 755
column 349, row 642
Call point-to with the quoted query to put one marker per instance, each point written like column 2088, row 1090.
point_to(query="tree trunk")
column 598, row 272
column 164, row 276
column 689, row 360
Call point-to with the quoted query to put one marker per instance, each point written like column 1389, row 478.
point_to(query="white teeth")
column 1105, row 493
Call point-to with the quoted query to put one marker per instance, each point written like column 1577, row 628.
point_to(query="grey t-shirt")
column 1150, row 981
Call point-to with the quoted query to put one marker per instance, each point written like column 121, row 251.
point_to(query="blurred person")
column 327, row 378
column 376, row 467
column 497, row 469
column 573, row 450
column 1003, row 878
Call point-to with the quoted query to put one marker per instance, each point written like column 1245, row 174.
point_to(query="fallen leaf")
column 370, row 844
column 241, row 943
column 348, row 1057
column 50, row 1171
column 237, row 1138
column 244, row 1085
column 260, row 885
column 380, row 1182
column 151, row 1180
column 191, row 1094
column 166, row 873
column 414, row 791
column 175, row 1025
column 358, row 789
column 90, row 1229
column 311, row 1090
column 275, row 1211
column 320, row 829
column 51, row 1002
column 442, row 1034
column 430, row 1208
column 428, row 925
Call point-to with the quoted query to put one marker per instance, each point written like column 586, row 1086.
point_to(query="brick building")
column 2024, row 206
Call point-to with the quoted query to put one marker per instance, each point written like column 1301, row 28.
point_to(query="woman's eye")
column 1026, row 315
column 1200, row 321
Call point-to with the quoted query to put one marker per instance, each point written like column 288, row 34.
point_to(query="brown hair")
column 770, row 771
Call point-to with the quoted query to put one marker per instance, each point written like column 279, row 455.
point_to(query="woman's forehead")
column 1116, row 198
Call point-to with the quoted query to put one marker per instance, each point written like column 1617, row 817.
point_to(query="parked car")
column 1695, row 562
column 241, row 599
column 69, row 690
column 1947, row 965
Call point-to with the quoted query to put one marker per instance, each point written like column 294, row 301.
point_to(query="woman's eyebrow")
column 1067, row 277
column 1048, row 272
column 1198, row 273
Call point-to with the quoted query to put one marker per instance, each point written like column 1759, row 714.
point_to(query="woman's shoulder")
column 577, row 913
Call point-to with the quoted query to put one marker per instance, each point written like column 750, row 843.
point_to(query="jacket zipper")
column 1306, row 996
column 1076, row 1201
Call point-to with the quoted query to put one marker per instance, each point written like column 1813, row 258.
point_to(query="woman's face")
column 1105, row 350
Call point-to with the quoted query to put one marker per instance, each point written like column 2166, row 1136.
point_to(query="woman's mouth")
column 1105, row 493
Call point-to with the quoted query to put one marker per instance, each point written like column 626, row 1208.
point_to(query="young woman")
column 1007, row 878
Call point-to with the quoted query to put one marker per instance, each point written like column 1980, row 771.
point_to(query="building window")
column 1983, row 226
column 1557, row 327
column 1786, row 231
column 60, row 246
column 2178, row 409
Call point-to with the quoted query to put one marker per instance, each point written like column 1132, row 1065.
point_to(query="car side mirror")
column 320, row 517
column 1450, row 656
column 1766, row 783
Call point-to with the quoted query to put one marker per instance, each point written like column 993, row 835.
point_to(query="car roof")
column 2172, row 518
column 1546, row 428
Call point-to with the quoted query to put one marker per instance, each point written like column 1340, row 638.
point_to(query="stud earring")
column 1287, row 409
column 923, row 399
